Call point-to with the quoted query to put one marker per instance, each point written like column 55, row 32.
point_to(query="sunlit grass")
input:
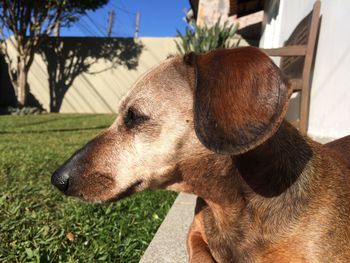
column 35, row 218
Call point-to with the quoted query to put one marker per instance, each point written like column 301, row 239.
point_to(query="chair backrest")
column 292, row 65
column 309, row 59
column 297, row 58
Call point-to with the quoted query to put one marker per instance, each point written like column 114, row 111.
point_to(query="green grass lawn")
column 35, row 218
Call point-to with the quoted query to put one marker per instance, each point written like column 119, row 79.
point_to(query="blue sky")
column 157, row 18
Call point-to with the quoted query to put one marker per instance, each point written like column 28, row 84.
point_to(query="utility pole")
column 111, row 16
column 137, row 25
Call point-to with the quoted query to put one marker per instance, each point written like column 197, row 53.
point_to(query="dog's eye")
column 133, row 118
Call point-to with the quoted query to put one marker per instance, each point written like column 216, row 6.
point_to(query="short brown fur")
column 265, row 192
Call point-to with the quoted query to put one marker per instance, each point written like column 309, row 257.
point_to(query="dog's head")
column 227, row 101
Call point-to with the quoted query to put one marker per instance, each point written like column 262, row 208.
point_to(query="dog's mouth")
column 128, row 191
column 107, row 197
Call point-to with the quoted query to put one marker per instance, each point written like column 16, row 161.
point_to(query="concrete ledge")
column 169, row 243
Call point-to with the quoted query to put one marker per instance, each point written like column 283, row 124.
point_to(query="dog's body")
column 262, row 217
column 213, row 125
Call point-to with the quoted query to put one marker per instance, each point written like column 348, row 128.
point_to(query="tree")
column 30, row 22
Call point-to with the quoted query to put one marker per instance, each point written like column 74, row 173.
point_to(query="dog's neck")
column 275, row 167
column 259, row 193
column 271, row 171
column 268, row 170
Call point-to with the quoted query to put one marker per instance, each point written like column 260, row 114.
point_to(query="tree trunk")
column 22, row 86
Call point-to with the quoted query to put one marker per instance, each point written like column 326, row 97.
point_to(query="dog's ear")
column 240, row 98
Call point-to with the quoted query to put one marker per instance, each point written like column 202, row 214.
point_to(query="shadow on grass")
column 58, row 118
column 55, row 130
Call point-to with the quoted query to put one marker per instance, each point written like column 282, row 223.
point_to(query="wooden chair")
column 297, row 60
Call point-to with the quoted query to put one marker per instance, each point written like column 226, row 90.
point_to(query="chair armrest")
column 287, row 51
column 296, row 84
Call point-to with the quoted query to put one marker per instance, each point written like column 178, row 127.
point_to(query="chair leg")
column 304, row 111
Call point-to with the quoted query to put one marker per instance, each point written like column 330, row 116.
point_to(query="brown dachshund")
column 213, row 125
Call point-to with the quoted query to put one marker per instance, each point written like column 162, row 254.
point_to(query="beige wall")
column 100, row 93
column 330, row 91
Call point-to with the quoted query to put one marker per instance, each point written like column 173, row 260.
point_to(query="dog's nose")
column 60, row 179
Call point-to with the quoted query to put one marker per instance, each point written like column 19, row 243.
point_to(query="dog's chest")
column 227, row 241
column 237, row 243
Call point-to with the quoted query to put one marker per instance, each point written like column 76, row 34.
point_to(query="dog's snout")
column 60, row 179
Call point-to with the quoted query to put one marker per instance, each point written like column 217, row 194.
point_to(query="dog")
column 213, row 125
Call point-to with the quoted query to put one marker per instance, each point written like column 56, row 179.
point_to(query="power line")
column 129, row 13
column 122, row 3
column 123, row 9
column 128, row 29
column 95, row 25
column 96, row 29
column 86, row 30
column 134, row 18
column 92, row 29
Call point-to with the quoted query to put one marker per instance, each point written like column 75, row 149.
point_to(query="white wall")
column 101, row 93
column 330, row 91
column 98, row 93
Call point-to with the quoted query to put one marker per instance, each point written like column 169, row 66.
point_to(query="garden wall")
column 91, row 75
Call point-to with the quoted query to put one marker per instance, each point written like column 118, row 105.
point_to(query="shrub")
column 203, row 39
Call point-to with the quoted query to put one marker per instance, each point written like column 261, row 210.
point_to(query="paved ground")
column 169, row 243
